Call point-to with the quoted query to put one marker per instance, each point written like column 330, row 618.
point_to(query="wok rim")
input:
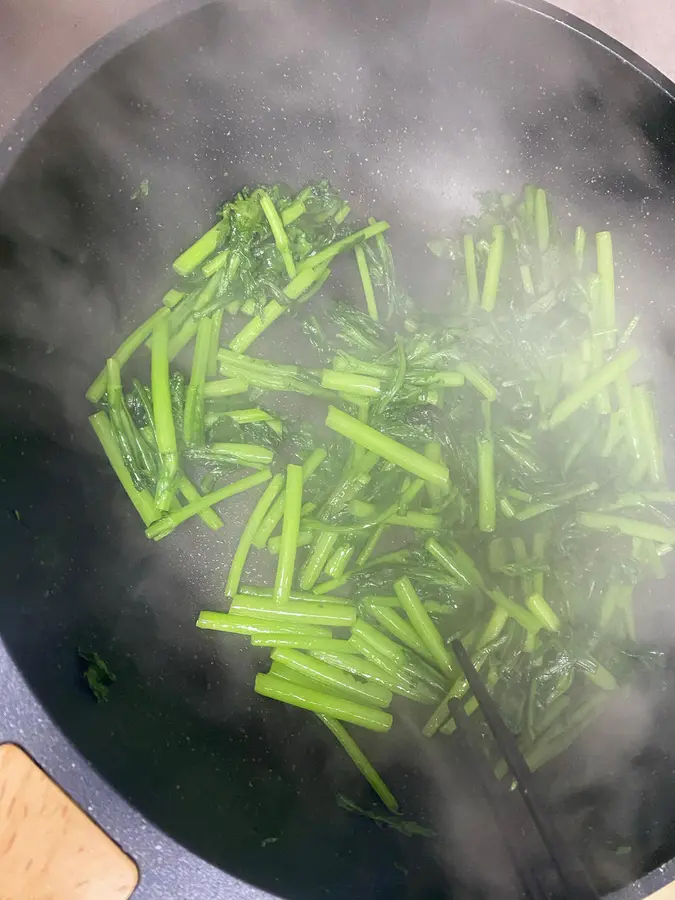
column 29, row 122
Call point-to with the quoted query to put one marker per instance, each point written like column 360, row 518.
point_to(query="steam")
column 410, row 115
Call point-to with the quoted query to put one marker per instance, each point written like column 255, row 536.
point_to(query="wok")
column 410, row 109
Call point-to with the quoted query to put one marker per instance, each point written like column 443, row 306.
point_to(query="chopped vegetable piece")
column 247, row 535
column 218, row 621
column 293, row 611
column 386, row 447
column 423, row 625
column 592, row 386
column 361, row 761
column 125, row 351
column 289, row 534
column 323, row 703
column 173, row 519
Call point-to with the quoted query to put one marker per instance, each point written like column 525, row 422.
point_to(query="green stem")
column 260, row 591
column 361, row 761
column 209, row 516
column 193, row 418
column 472, row 289
column 487, row 501
column 540, row 608
column 350, row 383
column 173, row 297
column 397, row 625
column 326, row 704
column 541, row 220
column 278, row 231
column 218, row 621
column 579, row 247
column 337, row 564
column 493, row 269
column 480, row 382
column 302, row 642
column 289, row 534
column 242, row 454
column 142, row 500
column 387, row 447
column 330, row 677
column 189, row 329
column 293, row 212
column 650, row 442
column 367, row 282
column 250, row 529
column 163, row 417
column 216, row 328
column 326, row 255
column 423, row 624
column 225, row 387
column 605, row 257
column 202, row 248
column 276, row 511
column 323, row 547
column 302, row 611
column 172, row 520
column 631, row 527
column 125, row 351
column 371, row 671
column 593, row 385
column 216, row 263
column 308, row 285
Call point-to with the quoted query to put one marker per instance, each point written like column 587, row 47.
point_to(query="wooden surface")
column 666, row 893
column 49, row 848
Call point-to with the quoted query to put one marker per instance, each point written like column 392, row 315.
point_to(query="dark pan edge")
column 47, row 100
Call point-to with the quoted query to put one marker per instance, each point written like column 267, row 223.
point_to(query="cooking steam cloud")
column 405, row 112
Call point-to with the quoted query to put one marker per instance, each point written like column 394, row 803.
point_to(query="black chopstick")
column 478, row 766
column 572, row 873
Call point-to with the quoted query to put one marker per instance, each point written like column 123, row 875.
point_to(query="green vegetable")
column 125, row 351
column 384, row 446
column 367, row 283
column 164, row 424
column 249, row 532
column 332, row 678
column 217, row 621
column 500, row 417
column 308, row 613
column 289, row 534
column 98, row 676
column 171, row 520
column 592, row 386
column 361, row 761
column 193, row 421
column 323, row 703
column 423, row 625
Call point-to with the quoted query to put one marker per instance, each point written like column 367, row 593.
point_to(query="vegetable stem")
column 173, row 519
column 289, row 534
column 493, row 269
column 361, row 761
column 323, row 703
column 423, row 624
column 366, row 281
column 125, row 351
column 250, row 529
column 163, row 416
column 387, row 447
column 595, row 383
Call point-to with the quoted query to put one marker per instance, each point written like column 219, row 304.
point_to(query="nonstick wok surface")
column 410, row 109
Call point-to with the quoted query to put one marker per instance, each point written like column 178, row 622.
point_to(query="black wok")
column 410, row 109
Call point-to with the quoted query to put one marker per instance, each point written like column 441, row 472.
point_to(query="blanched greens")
column 491, row 472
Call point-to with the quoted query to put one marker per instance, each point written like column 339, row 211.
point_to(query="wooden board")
column 666, row 893
column 49, row 848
